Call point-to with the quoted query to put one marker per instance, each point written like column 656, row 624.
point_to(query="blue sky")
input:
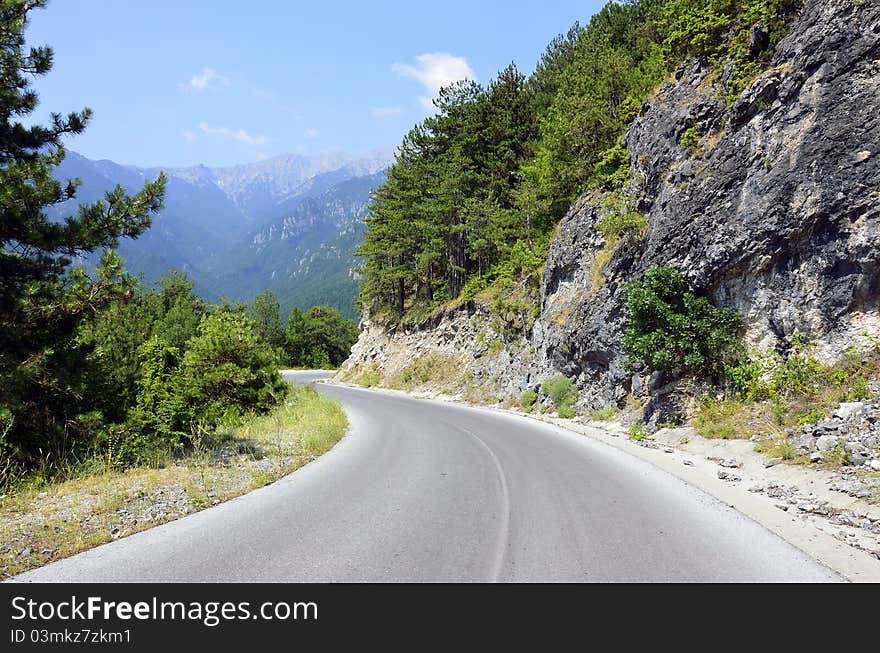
column 220, row 82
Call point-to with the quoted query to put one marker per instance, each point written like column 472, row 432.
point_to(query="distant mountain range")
column 289, row 223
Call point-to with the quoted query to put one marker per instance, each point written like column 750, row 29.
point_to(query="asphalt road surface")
column 425, row 491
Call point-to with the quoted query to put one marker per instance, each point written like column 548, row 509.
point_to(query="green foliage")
column 42, row 367
column 320, row 339
column 179, row 311
column 367, row 378
column 156, row 424
column 566, row 412
column 612, row 169
column 114, row 337
column 527, row 400
column 500, row 165
column 690, row 138
column 768, row 392
column 638, row 432
column 266, row 314
column 724, row 419
column 840, row 455
column 563, row 393
column 160, row 405
column 228, row 371
column 799, row 375
column 604, row 414
column 618, row 222
column 672, row 329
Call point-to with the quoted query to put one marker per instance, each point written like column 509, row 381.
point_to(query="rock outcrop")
column 775, row 211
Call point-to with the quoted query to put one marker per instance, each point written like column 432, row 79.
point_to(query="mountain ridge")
column 214, row 216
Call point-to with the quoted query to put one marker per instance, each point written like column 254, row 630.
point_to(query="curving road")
column 425, row 491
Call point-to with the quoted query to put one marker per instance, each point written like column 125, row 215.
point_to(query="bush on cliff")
column 674, row 330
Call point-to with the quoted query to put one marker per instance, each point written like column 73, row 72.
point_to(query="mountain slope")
column 291, row 223
column 772, row 210
column 305, row 257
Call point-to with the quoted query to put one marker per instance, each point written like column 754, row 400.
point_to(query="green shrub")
column 563, row 394
column 160, row 416
column 604, row 414
column 229, row 371
column 723, row 419
column 672, row 329
column 527, row 400
column 566, row 411
column 690, row 139
column 839, row 455
column 810, row 418
column 638, row 432
column 616, row 224
column 319, row 339
column 612, row 169
column 748, row 378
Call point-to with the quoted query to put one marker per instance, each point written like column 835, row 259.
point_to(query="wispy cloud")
column 200, row 82
column 312, row 133
column 435, row 70
column 385, row 112
column 189, row 136
column 238, row 134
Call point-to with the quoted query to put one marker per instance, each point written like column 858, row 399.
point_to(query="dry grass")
column 436, row 370
column 604, row 414
column 366, row 378
column 600, row 260
column 42, row 524
column 731, row 419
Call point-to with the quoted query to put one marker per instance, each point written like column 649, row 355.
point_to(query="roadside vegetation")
column 563, row 393
column 42, row 521
column 766, row 393
column 98, row 371
column 763, row 395
column 472, row 202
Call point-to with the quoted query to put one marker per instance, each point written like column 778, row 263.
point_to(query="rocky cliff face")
column 774, row 211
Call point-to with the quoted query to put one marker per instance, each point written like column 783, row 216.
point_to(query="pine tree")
column 266, row 314
column 294, row 343
column 42, row 301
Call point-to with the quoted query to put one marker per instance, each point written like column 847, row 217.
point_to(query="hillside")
column 305, row 257
column 760, row 191
column 219, row 225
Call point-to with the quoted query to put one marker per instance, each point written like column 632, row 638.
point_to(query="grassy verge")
column 777, row 397
column 42, row 523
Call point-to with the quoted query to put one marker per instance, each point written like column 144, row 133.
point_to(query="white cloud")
column 238, row 134
column 312, row 133
column 202, row 81
column 435, row 70
column 189, row 136
column 385, row 112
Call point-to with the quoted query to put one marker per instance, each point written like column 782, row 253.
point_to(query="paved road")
column 423, row 491
column 304, row 377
